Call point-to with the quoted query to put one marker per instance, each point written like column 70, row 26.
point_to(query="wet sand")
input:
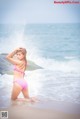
column 42, row 110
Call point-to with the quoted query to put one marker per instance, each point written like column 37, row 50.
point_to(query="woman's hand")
column 18, row 49
column 10, row 58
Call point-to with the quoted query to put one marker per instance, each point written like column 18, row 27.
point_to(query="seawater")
column 54, row 47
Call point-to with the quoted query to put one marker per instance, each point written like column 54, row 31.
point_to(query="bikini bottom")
column 21, row 82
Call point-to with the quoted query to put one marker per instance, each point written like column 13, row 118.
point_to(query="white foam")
column 15, row 38
column 48, row 84
column 69, row 57
column 54, row 65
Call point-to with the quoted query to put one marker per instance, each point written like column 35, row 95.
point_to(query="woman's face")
column 20, row 55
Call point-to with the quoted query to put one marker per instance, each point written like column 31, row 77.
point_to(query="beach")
column 52, row 73
column 39, row 111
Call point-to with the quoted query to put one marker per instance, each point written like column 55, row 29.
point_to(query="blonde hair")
column 24, row 52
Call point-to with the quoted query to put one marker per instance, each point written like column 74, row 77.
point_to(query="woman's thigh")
column 15, row 91
column 25, row 93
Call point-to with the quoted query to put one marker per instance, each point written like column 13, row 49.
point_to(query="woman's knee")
column 13, row 98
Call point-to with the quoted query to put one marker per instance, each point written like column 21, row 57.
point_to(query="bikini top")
column 18, row 70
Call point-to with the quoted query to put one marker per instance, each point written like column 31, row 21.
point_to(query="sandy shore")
column 39, row 111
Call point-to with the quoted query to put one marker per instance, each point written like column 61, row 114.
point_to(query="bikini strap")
column 16, row 69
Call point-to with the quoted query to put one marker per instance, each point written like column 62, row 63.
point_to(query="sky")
column 38, row 11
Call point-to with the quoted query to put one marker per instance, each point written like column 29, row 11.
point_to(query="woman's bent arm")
column 9, row 57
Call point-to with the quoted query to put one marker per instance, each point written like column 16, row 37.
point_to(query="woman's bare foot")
column 31, row 99
column 34, row 99
column 23, row 99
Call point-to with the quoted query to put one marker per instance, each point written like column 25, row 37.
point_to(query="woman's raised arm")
column 10, row 58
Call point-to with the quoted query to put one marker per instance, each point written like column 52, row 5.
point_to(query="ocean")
column 53, row 47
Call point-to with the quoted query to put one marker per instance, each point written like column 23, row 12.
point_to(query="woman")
column 19, row 83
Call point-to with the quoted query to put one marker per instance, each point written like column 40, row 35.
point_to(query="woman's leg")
column 27, row 97
column 26, row 93
column 15, row 91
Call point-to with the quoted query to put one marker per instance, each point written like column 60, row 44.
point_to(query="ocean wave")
column 71, row 65
column 7, row 68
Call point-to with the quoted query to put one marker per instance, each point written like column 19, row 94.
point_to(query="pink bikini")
column 21, row 81
column 16, row 69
